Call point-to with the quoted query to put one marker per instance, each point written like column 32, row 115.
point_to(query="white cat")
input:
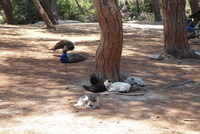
column 134, row 81
column 117, row 86
column 88, row 101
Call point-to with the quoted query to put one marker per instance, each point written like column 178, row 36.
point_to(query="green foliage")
column 130, row 11
column 147, row 6
column 25, row 13
column 68, row 9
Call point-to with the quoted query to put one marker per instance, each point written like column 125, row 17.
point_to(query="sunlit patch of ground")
column 37, row 92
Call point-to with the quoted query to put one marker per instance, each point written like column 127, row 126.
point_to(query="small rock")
column 156, row 57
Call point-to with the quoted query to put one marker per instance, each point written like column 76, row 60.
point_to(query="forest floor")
column 37, row 92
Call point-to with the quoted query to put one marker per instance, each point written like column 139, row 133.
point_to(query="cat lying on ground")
column 117, row 86
column 88, row 101
column 97, row 86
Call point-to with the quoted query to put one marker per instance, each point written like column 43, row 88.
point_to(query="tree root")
column 178, row 84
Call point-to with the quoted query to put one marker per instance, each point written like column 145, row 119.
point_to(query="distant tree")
column 43, row 14
column 175, row 35
column 79, row 6
column 6, row 5
column 108, row 54
column 47, row 9
column 138, row 6
column 156, row 9
column 194, row 7
column 55, row 8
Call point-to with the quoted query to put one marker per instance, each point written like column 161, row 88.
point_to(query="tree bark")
column 43, row 14
column 156, row 8
column 194, row 7
column 47, row 9
column 108, row 54
column 175, row 34
column 55, row 9
column 6, row 5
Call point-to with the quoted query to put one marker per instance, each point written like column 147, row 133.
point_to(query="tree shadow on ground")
column 40, row 84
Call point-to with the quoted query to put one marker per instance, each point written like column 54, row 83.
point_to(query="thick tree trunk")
column 108, row 54
column 55, row 9
column 156, row 8
column 6, row 5
column 194, row 7
column 47, row 9
column 43, row 14
column 175, row 35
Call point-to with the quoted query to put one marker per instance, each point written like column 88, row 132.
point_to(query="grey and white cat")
column 134, row 81
column 117, row 86
column 88, row 101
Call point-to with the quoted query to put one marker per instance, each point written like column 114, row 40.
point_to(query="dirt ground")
column 37, row 92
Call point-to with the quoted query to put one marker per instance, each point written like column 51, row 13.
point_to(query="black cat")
column 93, row 79
column 97, row 86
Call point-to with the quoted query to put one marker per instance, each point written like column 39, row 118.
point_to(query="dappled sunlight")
column 135, row 24
column 37, row 92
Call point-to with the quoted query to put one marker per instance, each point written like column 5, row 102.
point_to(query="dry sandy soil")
column 37, row 92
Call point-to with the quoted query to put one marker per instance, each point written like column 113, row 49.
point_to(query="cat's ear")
column 109, row 81
column 92, row 75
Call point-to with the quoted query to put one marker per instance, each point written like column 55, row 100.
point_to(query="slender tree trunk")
column 47, row 9
column 43, row 14
column 6, row 5
column 55, row 8
column 138, row 6
column 156, row 8
column 79, row 6
column 108, row 54
column 175, row 35
column 194, row 7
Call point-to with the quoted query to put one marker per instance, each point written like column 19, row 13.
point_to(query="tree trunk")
column 175, row 35
column 138, row 6
column 108, row 54
column 156, row 8
column 6, row 5
column 194, row 7
column 47, row 9
column 55, row 9
column 43, row 14
column 79, row 6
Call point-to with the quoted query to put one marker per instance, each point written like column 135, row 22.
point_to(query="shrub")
column 129, row 10
column 23, row 14
column 68, row 9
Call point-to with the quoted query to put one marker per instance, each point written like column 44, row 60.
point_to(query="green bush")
column 25, row 14
column 69, row 10
column 130, row 11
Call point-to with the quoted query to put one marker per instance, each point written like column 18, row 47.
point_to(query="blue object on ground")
column 64, row 58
